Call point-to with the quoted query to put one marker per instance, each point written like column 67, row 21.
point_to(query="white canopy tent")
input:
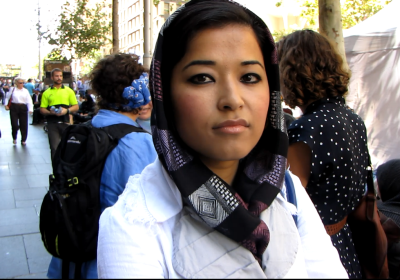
column 373, row 54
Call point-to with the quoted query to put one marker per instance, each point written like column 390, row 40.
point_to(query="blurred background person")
column 328, row 144
column 86, row 108
column 388, row 179
column 29, row 86
column 144, row 117
column 36, row 99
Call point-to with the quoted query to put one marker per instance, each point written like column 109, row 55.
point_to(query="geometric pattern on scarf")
column 236, row 214
column 213, row 201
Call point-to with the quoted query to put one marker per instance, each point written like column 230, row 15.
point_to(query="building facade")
column 131, row 23
column 131, row 19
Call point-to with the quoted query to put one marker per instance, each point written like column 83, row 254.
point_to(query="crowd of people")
column 208, row 192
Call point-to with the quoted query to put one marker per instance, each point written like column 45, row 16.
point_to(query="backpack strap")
column 290, row 192
column 118, row 131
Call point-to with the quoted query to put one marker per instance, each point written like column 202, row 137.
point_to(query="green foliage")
column 91, row 62
column 81, row 31
column 279, row 34
column 309, row 11
column 353, row 11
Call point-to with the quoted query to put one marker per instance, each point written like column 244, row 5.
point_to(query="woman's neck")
column 226, row 170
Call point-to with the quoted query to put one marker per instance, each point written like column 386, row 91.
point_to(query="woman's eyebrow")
column 251, row 62
column 199, row 62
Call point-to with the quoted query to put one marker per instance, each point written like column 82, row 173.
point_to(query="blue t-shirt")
column 30, row 87
column 134, row 152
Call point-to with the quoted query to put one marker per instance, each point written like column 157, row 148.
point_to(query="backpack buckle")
column 73, row 181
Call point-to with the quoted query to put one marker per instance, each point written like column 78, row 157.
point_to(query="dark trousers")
column 19, row 120
column 55, row 131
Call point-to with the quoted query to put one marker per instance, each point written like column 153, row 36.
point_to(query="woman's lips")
column 232, row 126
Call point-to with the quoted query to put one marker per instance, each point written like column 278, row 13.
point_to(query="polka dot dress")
column 339, row 157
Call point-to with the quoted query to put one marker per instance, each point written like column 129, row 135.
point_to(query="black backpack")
column 70, row 210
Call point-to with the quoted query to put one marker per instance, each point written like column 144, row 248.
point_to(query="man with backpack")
column 81, row 188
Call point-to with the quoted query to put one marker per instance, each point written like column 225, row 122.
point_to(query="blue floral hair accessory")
column 137, row 94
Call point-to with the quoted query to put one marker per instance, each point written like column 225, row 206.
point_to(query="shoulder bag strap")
column 291, row 193
column 371, row 195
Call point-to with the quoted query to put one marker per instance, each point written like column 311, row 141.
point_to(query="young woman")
column 328, row 144
column 116, row 80
column 210, row 206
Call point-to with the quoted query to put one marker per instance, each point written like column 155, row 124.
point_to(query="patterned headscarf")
column 232, row 210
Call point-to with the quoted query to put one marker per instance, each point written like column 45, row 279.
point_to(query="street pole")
column 40, row 41
column 147, row 26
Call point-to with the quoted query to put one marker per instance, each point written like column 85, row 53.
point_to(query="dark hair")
column 55, row 70
column 388, row 178
column 111, row 76
column 29, row 80
column 198, row 17
column 310, row 68
column 89, row 100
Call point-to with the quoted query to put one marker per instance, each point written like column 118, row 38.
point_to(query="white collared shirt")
column 20, row 96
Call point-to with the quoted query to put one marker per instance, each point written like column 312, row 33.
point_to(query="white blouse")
column 20, row 96
column 136, row 240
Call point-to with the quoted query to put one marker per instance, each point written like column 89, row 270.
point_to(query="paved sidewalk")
column 24, row 173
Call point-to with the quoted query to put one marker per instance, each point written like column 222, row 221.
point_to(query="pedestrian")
column 21, row 104
column 36, row 98
column 144, row 116
column 211, row 205
column 328, row 144
column 2, row 92
column 145, row 113
column 79, row 86
column 30, row 87
column 113, row 78
column 57, row 102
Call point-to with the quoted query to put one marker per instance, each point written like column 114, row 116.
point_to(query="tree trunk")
column 330, row 25
column 115, row 31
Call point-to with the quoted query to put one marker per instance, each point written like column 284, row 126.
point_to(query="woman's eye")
column 251, row 78
column 201, row 79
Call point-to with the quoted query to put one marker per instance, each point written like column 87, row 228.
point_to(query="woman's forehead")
column 232, row 42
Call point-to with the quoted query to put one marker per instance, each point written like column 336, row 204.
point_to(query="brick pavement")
column 24, row 173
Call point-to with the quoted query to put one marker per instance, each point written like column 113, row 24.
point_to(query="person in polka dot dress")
column 328, row 144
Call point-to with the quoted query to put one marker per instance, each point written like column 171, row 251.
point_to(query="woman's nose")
column 230, row 97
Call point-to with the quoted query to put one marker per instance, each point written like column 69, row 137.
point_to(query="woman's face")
column 145, row 113
column 220, row 93
column 20, row 84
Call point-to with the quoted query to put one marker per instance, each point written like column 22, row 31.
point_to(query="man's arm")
column 74, row 108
